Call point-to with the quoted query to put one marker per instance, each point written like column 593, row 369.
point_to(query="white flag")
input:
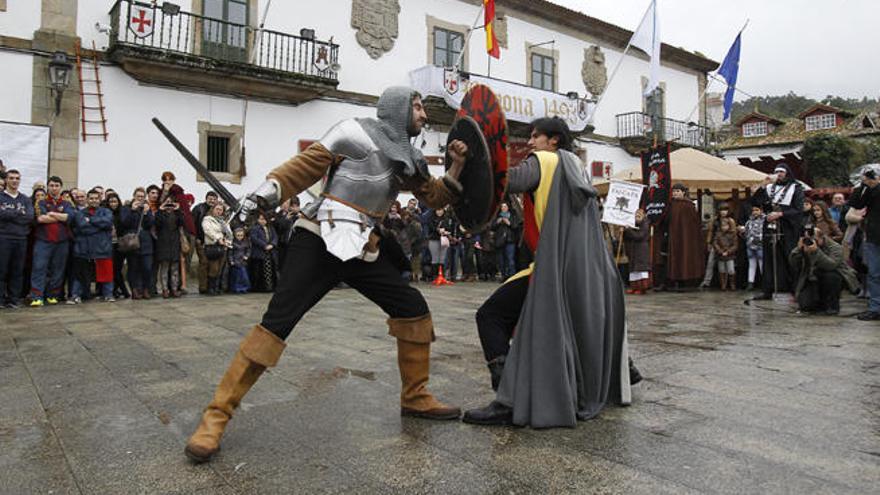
column 647, row 39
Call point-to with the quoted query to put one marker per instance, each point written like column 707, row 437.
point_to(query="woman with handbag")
column 135, row 241
column 218, row 238
column 504, row 242
column 438, row 239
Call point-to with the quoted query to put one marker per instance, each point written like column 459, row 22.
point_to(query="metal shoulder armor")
column 348, row 138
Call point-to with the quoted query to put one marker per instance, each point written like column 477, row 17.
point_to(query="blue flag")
column 729, row 70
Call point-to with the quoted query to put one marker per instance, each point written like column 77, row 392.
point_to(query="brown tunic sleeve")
column 297, row 174
column 437, row 193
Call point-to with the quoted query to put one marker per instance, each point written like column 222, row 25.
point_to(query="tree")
column 828, row 158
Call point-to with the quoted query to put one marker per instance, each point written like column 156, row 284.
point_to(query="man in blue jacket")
column 92, row 248
column 16, row 218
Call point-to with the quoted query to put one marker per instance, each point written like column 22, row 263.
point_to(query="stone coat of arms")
column 376, row 24
column 593, row 70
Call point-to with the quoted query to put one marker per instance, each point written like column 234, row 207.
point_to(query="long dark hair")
column 553, row 127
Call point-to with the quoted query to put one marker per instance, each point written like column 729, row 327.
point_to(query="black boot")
column 212, row 286
column 495, row 414
column 634, row 375
column 496, row 369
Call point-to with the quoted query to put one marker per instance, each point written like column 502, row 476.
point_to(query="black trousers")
column 310, row 272
column 778, row 264
column 497, row 317
column 822, row 293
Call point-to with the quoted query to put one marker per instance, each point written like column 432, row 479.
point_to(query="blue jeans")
column 83, row 273
column 12, row 255
column 507, row 260
column 871, row 254
column 453, row 257
column 50, row 261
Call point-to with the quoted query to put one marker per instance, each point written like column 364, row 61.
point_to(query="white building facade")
column 227, row 89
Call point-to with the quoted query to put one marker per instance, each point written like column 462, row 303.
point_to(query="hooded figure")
column 782, row 199
column 366, row 163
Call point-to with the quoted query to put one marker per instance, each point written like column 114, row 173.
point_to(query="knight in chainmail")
column 364, row 164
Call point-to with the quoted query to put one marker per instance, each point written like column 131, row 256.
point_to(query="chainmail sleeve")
column 525, row 177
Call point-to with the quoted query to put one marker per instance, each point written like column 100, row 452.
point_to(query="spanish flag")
column 492, row 47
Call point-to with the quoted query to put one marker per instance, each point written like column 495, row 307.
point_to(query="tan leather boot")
column 723, row 281
column 414, row 336
column 259, row 350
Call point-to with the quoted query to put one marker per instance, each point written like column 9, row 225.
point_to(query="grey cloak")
column 569, row 354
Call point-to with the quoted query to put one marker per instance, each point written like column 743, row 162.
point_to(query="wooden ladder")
column 92, row 114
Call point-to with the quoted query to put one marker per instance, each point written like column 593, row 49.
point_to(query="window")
column 2, row 5
column 218, row 154
column 821, row 121
column 755, row 129
column 226, row 40
column 447, row 47
column 543, row 72
column 220, row 151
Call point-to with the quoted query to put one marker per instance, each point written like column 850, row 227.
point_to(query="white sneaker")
column 109, row 299
column 75, row 300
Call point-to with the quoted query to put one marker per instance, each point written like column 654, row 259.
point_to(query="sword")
column 216, row 185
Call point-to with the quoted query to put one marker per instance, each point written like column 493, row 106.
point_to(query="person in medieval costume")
column 367, row 162
column 683, row 240
column 782, row 199
column 568, row 356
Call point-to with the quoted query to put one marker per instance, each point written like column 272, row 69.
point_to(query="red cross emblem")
column 141, row 23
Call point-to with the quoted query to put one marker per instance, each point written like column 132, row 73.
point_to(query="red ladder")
column 94, row 94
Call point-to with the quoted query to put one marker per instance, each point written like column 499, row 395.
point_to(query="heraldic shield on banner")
column 451, row 81
column 322, row 58
column 140, row 20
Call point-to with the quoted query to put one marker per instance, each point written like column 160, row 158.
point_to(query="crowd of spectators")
column 72, row 245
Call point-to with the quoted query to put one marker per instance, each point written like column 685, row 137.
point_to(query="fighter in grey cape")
column 569, row 355
column 366, row 162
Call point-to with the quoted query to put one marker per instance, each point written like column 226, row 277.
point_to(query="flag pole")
column 467, row 38
column 617, row 67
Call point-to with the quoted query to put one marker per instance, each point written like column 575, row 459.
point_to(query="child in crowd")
column 638, row 251
column 725, row 245
column 753, row 233
column 239, row 282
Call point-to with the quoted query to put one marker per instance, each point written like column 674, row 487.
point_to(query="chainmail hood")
column 392, row 129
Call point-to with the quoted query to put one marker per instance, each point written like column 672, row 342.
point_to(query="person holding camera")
column 782, row 199
column 867, row 195
column 822, row 271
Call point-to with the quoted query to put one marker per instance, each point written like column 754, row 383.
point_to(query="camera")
column 809, row 233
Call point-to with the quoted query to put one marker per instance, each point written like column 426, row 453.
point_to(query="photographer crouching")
column 818, row 260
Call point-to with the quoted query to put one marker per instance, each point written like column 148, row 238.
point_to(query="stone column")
column 58, row 32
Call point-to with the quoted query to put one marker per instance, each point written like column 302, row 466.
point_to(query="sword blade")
column 216, row 185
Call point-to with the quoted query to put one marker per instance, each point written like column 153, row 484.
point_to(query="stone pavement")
column 100, row 398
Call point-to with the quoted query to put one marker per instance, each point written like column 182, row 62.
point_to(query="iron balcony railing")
column 165, row 29
column 641, row 125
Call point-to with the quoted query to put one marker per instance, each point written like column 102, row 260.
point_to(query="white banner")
column 621, row 203
column 25, row 148
column 520, row 103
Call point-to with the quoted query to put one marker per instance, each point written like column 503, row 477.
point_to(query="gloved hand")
column 264, row 198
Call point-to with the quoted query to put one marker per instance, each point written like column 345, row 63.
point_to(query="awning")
column 697, row 170
column 520, row 103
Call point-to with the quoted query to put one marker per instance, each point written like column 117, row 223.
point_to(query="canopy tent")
column 697, row 170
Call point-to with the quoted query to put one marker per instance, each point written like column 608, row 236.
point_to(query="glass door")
column 226, row 39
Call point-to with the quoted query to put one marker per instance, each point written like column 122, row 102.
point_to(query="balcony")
column 165, row 46
column 636, row 132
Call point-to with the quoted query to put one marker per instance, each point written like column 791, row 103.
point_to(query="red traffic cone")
column 440, row 279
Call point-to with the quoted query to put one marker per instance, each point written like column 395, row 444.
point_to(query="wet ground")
column 100, row 398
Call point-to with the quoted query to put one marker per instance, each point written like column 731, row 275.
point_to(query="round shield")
column 476, row 179
column 481, row 105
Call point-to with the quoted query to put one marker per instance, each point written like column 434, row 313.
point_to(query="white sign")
column 25, row 148
column 621, row 203
column 520, row 103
